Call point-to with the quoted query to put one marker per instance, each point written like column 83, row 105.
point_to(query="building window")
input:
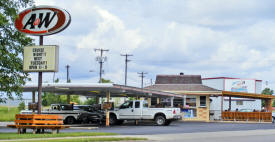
column 239, row 102
column 136, row 104
column 191, row 102
column 202, row 101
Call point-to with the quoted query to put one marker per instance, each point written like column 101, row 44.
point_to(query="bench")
column 38, row 122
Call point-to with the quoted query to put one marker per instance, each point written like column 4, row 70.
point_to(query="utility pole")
column 142, row 76
column 126, row 61
column 68, row 96
column 67, row 66
column 101, row 60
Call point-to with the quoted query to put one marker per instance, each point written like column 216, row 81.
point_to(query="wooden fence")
column 247, row 116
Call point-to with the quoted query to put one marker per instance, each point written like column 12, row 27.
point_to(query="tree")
column 105, row 80
column 90, row 101
column 49, row 98
column 267, row 91
column 21, row 106
column 12, row 42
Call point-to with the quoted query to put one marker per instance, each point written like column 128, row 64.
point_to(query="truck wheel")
column 70, row 120
column 113, row 120
column 160, row 120
column 168, row 122
column 119, row 122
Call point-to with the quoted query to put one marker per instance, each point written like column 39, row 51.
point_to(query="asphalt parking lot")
column 177, row 127
column 180, row 127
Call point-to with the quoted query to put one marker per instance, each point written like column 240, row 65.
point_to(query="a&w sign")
column 42, row 20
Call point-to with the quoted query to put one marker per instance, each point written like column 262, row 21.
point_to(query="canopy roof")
column 98, row 89
column 247, row 95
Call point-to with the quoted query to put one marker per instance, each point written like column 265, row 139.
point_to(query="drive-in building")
column 195, row 103
column 234, row 85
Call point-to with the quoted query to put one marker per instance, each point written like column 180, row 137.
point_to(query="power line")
column 126, row 62
column 142, row 75
column 101, row 60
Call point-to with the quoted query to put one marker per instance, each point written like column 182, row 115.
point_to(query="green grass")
column 73, row 134
column 89, row 139
column 7, row 115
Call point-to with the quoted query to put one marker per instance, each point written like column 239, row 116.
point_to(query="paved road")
column 177, row 127
column 224, row 136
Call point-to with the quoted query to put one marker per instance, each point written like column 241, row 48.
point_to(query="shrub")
column 21, row 106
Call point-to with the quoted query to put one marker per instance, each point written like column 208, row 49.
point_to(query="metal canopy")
column 247, row 95
column 99, row 89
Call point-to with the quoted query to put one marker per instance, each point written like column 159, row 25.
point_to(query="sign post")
column 41, row 21
column 40, row 83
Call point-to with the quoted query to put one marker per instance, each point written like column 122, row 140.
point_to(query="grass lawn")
column 89, row 139
column 8, row 115
column 73, row 134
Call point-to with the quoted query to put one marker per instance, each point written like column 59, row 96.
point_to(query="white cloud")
column 211, row 38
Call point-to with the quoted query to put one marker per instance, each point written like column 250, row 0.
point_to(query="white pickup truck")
column 139, row 110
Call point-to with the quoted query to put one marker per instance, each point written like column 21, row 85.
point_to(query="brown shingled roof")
column 178, row 79
column 181, row 87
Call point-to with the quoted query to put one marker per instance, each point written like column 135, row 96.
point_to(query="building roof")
column 178, row 79
column 182, row 88
column 230, row 78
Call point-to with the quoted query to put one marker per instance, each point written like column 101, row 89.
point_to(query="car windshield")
column 128, row 104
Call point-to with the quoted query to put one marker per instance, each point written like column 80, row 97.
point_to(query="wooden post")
column 18, row 130
column 184, row 101
column 107, row 111
column 33, row 101
column 149, row 102
column 221, row 107
column 172, row 101
column 268, row 105
column 158, row 100
column 229, row 103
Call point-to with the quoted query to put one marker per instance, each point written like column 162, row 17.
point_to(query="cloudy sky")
column 212, row 38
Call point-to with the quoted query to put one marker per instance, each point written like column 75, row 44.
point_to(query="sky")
column 211, row 38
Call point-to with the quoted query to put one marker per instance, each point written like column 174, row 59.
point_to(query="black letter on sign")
column 47, row 19
column 30, row 21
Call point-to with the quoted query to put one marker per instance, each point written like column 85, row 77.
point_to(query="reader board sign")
column 42, row 20
column 41, row 58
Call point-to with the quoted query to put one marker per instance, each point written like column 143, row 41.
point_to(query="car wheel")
column 113, row 120
column 119, row 122
column 70, row 120
column 160, row 120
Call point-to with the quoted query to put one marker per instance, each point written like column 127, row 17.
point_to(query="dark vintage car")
column 93, row 114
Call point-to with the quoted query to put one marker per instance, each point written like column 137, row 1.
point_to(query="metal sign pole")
column 40, row 83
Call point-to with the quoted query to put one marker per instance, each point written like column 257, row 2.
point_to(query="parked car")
column 139, row 110
column 93, row 115
column 70, row 112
